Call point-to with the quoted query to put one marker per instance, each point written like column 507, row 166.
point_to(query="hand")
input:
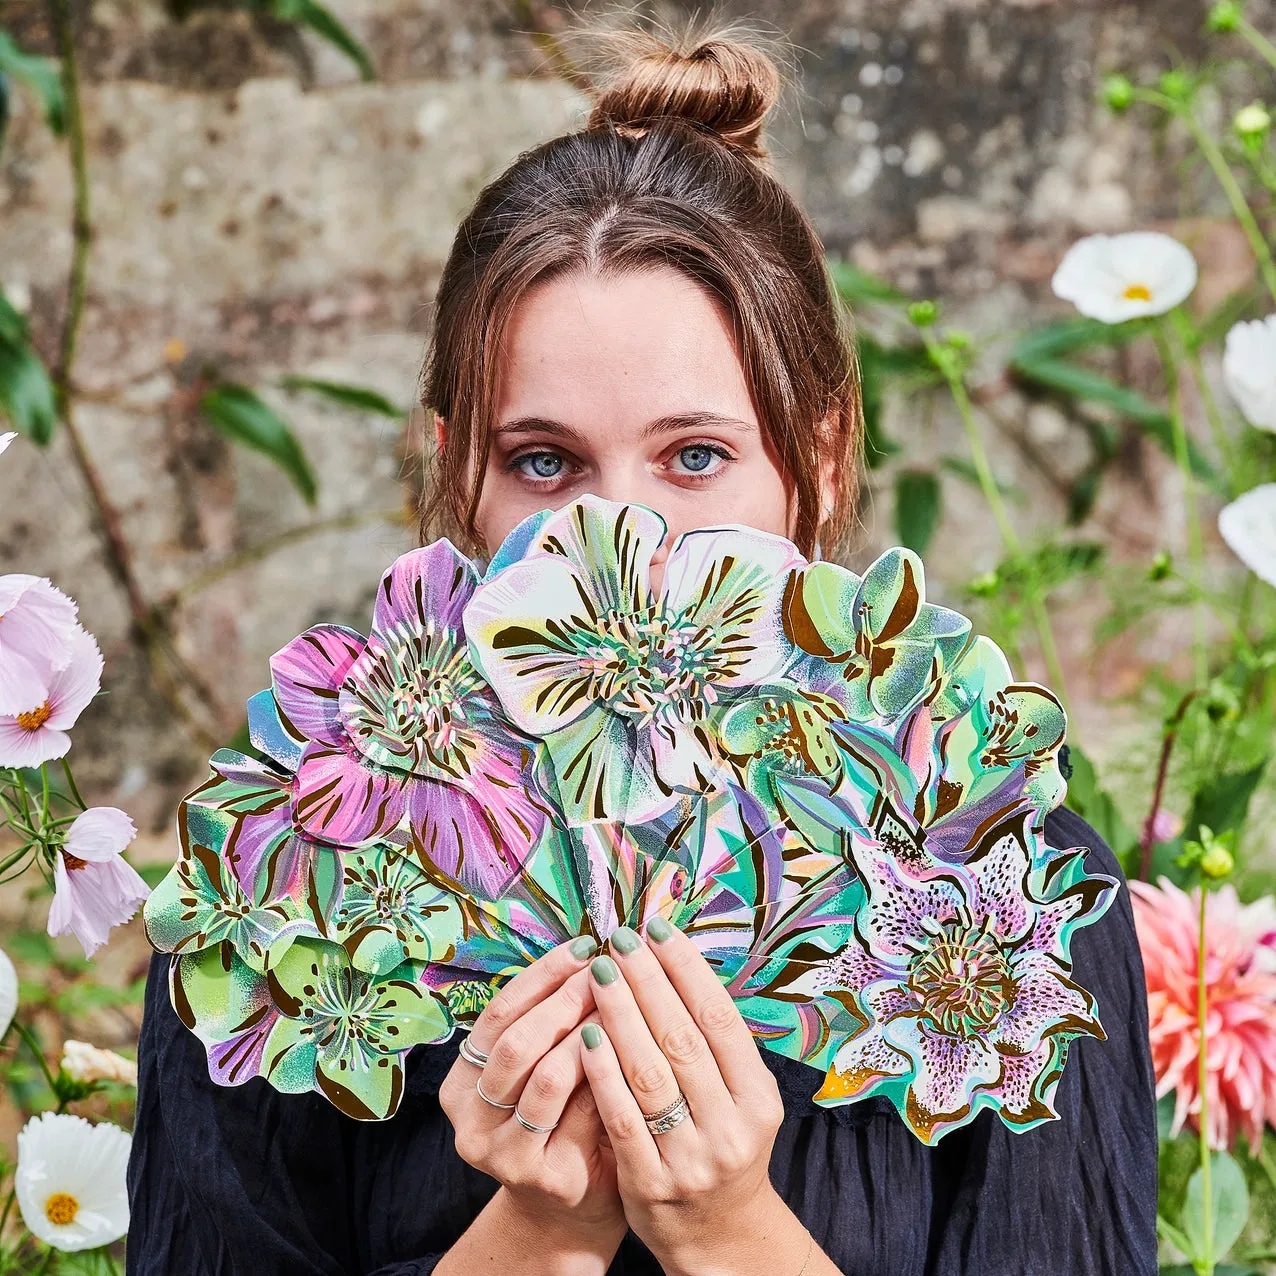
column 565, row 1179
column 692, row 1193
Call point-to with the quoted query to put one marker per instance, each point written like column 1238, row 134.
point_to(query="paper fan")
column 827, row 782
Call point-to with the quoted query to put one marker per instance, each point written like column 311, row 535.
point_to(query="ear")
column 827, row 475
column 440, row 431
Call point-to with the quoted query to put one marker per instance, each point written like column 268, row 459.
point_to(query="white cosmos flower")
column 1249, row 370
column 8, row 992
column 85, row 1062
column 70, row 1180
column 6, row 439
column 1113, row 278
column 1248, row 525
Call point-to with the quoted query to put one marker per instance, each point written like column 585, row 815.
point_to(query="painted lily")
column 401, row 728
column 618, row 680
column 961, row 982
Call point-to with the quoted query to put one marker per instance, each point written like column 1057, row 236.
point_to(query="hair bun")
column 718, row 80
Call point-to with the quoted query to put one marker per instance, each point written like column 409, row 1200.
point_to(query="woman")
column 639, row 310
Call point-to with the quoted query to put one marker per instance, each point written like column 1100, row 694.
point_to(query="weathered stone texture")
column 259, row 211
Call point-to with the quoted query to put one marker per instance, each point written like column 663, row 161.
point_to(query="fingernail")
column 659, row 929
column 592, row 1035
column 624, row 939
column 584, row 946
column 605, row 970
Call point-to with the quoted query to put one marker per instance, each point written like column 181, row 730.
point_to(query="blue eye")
column 697, row 457
column 544, row 465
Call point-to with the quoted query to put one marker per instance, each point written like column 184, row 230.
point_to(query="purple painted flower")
column 94, row 888
column 401, row 728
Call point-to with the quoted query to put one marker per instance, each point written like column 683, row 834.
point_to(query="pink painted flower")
column 1240, row 1025
column 37, row 630
column 38, row 733
column 95, row 888
column 402, row 729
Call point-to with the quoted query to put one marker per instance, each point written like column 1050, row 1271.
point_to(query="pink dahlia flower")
column 38, row 732
column 94, row 888
column 401, row 728
column 1240, row 1026
column 37, row 630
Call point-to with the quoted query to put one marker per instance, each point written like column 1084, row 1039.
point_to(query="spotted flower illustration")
column 887, row 645
column 401, row 728
column 961, row 979
column 621, row 682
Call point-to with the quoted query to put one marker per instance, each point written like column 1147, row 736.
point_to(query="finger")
column 672, row 1027
column 580, row 1123
column 529, row 987
column 711, row 1006
column 544, row 1097
column 631, row 1141
column 646, row 1071
column 529, row 1038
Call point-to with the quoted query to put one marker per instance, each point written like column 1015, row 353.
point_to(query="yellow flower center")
column 34, row 719
column 61, row 1208
column 1138, row 292
column 73, row 861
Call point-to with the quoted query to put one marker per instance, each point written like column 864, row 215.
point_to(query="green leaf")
column 1164, row 1115
column 917, row 508
column 26, row 391
column 1070, row 335
column 242, row 417
column 964, row 468
column 1230, row 1207
column 856, row 286
column 1082, row 492
column 1076, row 382
column 359, row 397
column 326, row 25
column 1224, row 803
column 4, row 108
column 41, row 75
column 880, row 365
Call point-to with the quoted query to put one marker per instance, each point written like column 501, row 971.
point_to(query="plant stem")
column 1196, row 548
column 992, row 495
column 1217, row 426
column 70, row 780
column 1202, row 1077
column 1262, row 45
column 1162, row 770
column 1235, row 196
column 34, row 1046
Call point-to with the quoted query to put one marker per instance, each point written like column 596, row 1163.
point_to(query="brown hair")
column 670, row 171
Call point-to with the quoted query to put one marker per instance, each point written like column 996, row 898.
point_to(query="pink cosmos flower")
column 94, row 888
column 38, row 732
column 1240, row 1024
column 37, row 629
column 1166, row 826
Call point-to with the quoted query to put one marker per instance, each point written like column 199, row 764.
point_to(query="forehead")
column 620, row 351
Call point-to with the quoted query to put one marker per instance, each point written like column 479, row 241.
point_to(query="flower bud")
column 1217, row 861
column 1253, row 122
column 1161, row 567
column 1177, row 85
column 923, row 314
column 984, row 585
column 1224, row 17
column 1118, row 93
column 83, row 1062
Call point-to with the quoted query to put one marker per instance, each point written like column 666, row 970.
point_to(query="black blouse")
column 252, row 1182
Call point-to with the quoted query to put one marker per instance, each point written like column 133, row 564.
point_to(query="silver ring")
column 668, row 1118
column 478, row 1085
column 472, row 1054
column 527, row 1125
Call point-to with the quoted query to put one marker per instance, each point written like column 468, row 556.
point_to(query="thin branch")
column 1162, row 770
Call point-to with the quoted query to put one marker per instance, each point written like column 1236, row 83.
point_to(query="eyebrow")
column 661, row 425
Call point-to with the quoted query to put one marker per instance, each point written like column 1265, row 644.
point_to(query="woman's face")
column 629, row 388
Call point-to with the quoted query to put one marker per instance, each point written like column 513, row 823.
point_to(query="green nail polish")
column 584, row 946
column 659, row 929
column 592, row 1035
column 605, row 970
column 624, row 939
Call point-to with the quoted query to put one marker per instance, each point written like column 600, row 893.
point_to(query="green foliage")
column 358, row 397
column 41, row 75
column 26, row 392
column 918, row 501
column 239, row 414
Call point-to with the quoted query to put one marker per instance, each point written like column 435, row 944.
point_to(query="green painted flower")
column 887, row 644
column 391, row 912
column 344, row 1031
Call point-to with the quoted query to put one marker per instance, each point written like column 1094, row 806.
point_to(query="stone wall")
column 259, row 211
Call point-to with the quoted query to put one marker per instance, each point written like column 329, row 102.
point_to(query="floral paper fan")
column 834, row 788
